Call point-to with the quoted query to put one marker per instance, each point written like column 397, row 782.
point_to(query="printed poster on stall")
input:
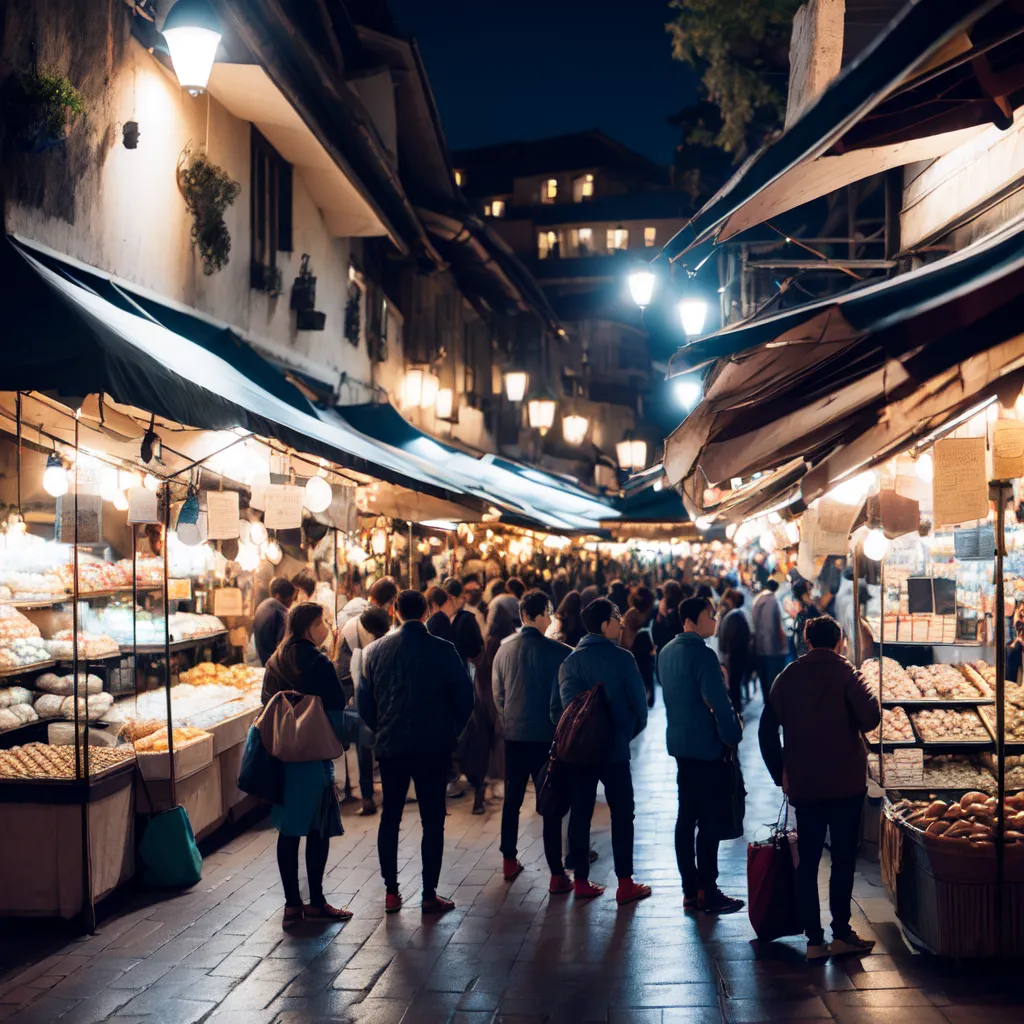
column 1007, row 450
column 222, row 515
column 284, row 507
column 227, row 601
column 959, row 483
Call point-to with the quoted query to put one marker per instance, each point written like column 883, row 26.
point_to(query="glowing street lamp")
column 631, row 454
column 541, row 412
column 574, row 428
column 515, row 385
column 692, row 313
column 193, row 32
column 641, row 287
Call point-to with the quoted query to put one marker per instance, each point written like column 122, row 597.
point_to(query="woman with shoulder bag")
column 310, row 802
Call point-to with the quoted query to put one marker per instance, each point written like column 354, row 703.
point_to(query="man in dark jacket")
column 468, row 639
column 734, row 646
column 823, row 705
column 415, row 694
column 598, row 658
column 524, row 679
column 440, row 608
column 271, row 617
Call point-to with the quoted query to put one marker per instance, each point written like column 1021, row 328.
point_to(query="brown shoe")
column 325, row 912
column 292, row 917
column 368, row 809
column 437, row 905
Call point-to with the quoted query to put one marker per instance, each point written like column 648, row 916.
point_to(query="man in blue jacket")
column 523, row 678
column 599, row 659
column 415, row 694
column 702, row 729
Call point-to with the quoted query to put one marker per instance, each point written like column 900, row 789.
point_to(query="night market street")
column 508, row 953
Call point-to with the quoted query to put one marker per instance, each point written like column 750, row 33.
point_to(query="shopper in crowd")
column 770, row 643
column 703, row 730
column 441, row 611
column 474, row 595
column 381, row 595
column 805, row 609
column 599, row 659
column 271, row 618
column 356, row 635
column 466, row 633
column 734, row 648
column 618, row 594
column 666, row 623
column 415, row 694
column 588, row 594
column 823, row 705
column 305, row 585
column 636, row 638
column 310, row 802
column 559, row 586
column 568, row 626
column 524, row 678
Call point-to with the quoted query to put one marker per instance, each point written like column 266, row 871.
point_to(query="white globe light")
column 574, row 428
column 515, row 385
column 55, row 476
column 318, row 494
column 692, row 313
column 258, row 533
column 876, row 544
column 925, row 468
column 189, row 534
column 121, row 501
column 150, row 482
column 641, row 287
column 273, row 553
column 248, row 557
column 192, row 31
column 688, row 392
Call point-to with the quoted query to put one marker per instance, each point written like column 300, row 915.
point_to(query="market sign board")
column 960, row 481
column 284, row 507
column 222, row 515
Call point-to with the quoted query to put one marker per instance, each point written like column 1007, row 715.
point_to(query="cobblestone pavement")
column 508, row 953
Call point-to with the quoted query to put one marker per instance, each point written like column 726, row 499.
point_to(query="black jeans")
column 430, row 774
column 524, row 761
column 364, row 757
column 841, row 819
column 317, row 847
column 618, row 791
column 702, row 787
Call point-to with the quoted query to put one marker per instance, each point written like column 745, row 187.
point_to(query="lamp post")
column 193, row 33
column 574, row 428
column 692, row 313
column 641, row 287
column 515, row 385
column 631, row 454
column 540, row 410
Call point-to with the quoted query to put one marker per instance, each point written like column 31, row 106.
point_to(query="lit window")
column 459, row 178
column 618, row 238
column 498, row 208
column 650, row 236
column 582, row 188
column 582, row 240
column 549, row 190
column 487, row 209
column 547, row 244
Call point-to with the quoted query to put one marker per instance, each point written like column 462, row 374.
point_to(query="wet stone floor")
column 508, row 953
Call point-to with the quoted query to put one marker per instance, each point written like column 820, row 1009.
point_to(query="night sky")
column 526, row 69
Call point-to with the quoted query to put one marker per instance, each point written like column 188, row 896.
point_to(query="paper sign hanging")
column 222, row 515
column 1008, row 450
column 805, row 552
column 832, row 526
column 227, row 601
column 143, row 506
column 284, row 507
column 959, row 484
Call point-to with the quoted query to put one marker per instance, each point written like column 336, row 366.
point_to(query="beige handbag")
column 295, row 727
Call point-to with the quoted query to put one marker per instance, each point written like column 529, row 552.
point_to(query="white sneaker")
column 817, row 952
column 851, row 943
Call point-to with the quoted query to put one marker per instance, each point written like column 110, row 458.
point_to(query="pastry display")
column 94, row 576
column 51, row 682
column 15, row 626
column 149, row 572
column 156, row 742
column 144, row 628
column 90, row 645
column 983, row 676
column 42, row 761
column 1013, row 721
column 897, row 684
column 30, row 586
column 134, row 729
column 948, row 725
column 955, row 771
column 208, row 673
column 14, row 695
column 943, row 682
column 93, row 707
column 189, row 700
column 17, row 715
column 24, row 651
column 971, row 818
column 896, row 727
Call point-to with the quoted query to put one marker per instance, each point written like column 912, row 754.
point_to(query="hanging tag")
column 143, row 506
column 959, row 481
column 222, row 515
column 284, row 507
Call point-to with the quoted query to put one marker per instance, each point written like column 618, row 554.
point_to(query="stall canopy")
column 544, row 498
column 938, row 75
column 64, row 338
column 841, row 381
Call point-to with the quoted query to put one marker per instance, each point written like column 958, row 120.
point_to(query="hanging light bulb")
column 273, row 553
column 641, row 287
column 258, row 532
column 248, row 557
column 55, row 476
column 318, row 494
column 193, row 32
column 692, row 312
column 150, row 482
column 574, row 428
column 126, row 479
column 876, row 544
column 925, row 468
column 379, row 537
column 515, row 385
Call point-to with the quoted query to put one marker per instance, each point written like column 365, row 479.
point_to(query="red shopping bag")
column 771, row 883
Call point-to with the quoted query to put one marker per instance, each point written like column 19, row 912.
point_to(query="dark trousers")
column 317, row 847
column 364, row 756
column 618, row 791
column 430, row 774
column 768, row 667
column 702, row 787
column 523, row 761
column 841, row 819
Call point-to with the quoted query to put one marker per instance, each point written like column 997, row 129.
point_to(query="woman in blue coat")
column 310, row 806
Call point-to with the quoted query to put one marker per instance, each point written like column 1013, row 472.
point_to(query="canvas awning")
column 937, row 76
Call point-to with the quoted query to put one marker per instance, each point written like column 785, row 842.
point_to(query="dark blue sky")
column 526, row 69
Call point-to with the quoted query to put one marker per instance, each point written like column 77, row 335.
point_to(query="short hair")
column 597, row 613
column 452, row 586
column 771, row 584
column 305, row 581
column 692, row 608
column 282, row 589
column 516, row 587
column 411, row 605
column 686, row 589
column 823, row 631
column 673, row 593
column 470, row 577
column 734, row 597
column 642, row 600
column 533, row 603
column 383, row 591
column 438, row 597
column 800, row 588
column 375, row 621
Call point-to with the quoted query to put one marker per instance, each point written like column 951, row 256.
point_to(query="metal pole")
column 858, row 654
column 881, row 669
column 1001, row 491
column 167, row 647
column 410, row 554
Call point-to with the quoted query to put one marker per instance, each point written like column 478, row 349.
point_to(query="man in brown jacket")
column 823, row 705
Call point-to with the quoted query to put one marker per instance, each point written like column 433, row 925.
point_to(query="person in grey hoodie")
column 598, row 658
column 524, row 678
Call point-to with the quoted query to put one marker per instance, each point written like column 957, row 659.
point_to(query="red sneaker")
column 561, row 885
column 392, row 903
column 630, row 891
column 511, row 869
column 437, row 905
column 586, row 890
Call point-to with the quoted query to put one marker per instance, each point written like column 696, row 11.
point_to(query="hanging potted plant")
column 42, row 109
column 208, row 191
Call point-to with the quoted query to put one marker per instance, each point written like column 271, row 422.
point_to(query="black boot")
column 478, row 801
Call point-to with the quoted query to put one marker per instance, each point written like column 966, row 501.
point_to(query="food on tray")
column 943, row 682
column 30, row 586
column 51, row 682
column 971, row 818
column 949, row 725
column 94, row 576
column 134, row 729
column 188, row 701
column 897, row 684
column 896, row 727
column 24, row 651
column 1013, row 724
column 156, row 742
column 15, row 626
column 93, row 707
column 14, row 695
column 224, row 675
column 16, row 715
column 149, row 572
column 42, row 761
column 983, row 676
column 144, row 628
column 955, row 771
column 90, row 645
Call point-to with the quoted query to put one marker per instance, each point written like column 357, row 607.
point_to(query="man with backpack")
column 599, row 660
